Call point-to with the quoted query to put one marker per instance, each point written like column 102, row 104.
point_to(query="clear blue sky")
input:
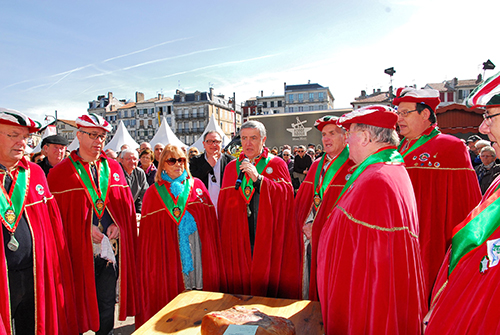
column 58, row 55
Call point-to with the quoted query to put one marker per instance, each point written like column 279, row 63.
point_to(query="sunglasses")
column 173, row 161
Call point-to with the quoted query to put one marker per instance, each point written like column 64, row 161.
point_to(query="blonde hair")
column 170, row 151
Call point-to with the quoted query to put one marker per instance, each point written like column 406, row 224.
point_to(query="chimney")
column 261, row 94
column 374, row 91
column 479, row 78
column 363, row 93
column 110, row 96
column 139, row 96
column 211, row 93
column 378, row 90
column 160, row 96
column 308, row 82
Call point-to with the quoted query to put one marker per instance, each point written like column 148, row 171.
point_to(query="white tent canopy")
column 212, row 125
column 121, row 137
column 165, row 136
column 47, row 132
column 73, row 145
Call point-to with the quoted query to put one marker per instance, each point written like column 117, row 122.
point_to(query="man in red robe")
column 98, row 216
column 260, row 241
column 445, row 184
column 466, row 290
column 317, row 194
column 369, row 269
column 35, row 275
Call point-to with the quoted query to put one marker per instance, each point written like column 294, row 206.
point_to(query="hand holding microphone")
column 241, row 175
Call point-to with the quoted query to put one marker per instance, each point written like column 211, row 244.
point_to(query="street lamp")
column 390, row 71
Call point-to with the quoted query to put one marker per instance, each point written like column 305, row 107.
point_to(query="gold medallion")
column 99, row 204
column 248, row 190
column 317, row 200
column 177, row 212
column 10, row 216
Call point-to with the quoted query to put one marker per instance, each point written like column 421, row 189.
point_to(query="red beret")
column 430, row 97
column 15, row 118
column 374, row 115
column 93, row 121
column 327, row 119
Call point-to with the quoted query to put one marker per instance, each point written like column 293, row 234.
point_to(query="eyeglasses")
column 210, row 142
column 17, row 137
column 173, row 161
column 286, row 155
column 405, row 113
column 300, row 151
column 94, row 136
column 487, row 118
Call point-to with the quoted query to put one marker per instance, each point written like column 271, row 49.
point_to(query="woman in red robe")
column 179, row 245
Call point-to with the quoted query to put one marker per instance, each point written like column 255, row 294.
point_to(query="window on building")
column 462, row 94
column 141, row 123
column 272, row 104
column 290, row 109
column 186, row 112
column 290, row 98
column 150, row 122
column 183, row 99
column 301, row 97
column 169, row 121
column 264, row 104
column 141, row 112
column 132, row 113
column 321, row 96
column 311, row 108
column 197, row 97
column 133, row 122
column 280, row 103
column 125, row 113
column 301, row 109
column 450, row 97
column 311, row 96
column 151, row 111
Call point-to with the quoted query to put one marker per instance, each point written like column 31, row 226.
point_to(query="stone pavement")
column 126, row 327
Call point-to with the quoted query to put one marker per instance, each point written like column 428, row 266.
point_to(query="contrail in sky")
column 154, row 61
column 65, row 73
column 217, row 65
column 146, row 49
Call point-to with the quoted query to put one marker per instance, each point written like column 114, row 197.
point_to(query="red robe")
column 55, row 311
column 465, row 303
column 303, row 204
column 274, row 270
column 369, row 269
column 446, row 189
column 159, row 262
column 76, row 212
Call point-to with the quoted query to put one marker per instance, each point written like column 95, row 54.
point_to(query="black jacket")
column 200, row 168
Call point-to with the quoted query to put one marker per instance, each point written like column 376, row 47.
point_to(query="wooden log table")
column 183, row 314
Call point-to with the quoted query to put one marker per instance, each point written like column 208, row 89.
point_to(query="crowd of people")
column 385, row 226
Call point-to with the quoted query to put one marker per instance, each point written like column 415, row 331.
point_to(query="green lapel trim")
column 98, row 196
column 475, row 229
column 12, row 207
column 389, row 155
column 247, row 189
column 332, row 171
column 176, row 207
column 421, row 141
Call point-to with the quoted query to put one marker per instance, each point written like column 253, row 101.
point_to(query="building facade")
column 377, row 98
column 307, row 97
column 455, row 91
column 193, row 110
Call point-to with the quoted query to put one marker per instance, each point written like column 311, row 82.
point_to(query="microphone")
column 240, row 176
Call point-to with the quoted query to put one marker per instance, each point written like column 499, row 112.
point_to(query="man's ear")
column 365, row 138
